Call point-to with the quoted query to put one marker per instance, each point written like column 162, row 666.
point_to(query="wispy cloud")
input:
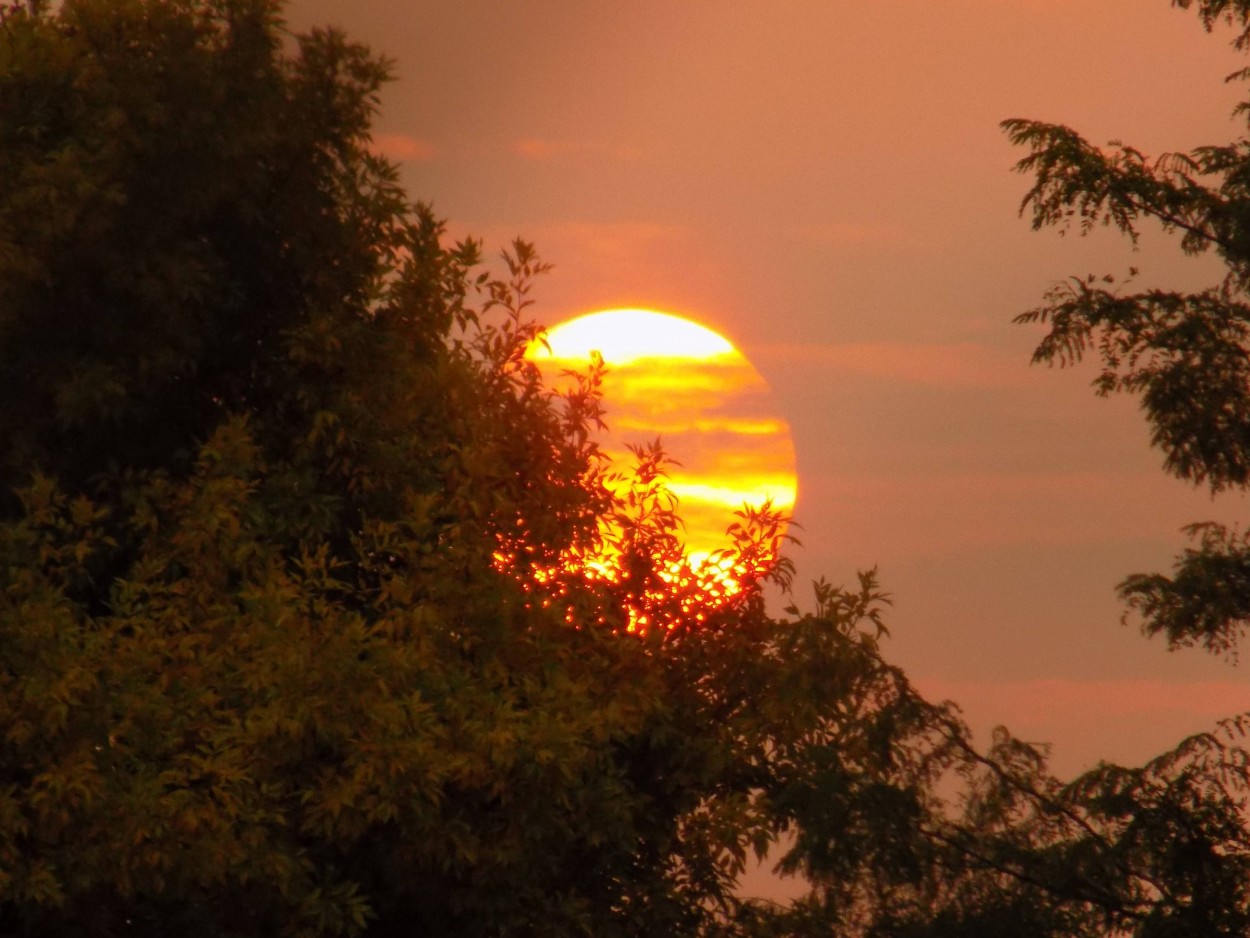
column 924, row 510
column 404, row 147
column 961, row 364
column 605, row 264
column 842, row 233
column 1127, row 720
column 535, row 148
column 544, row 149
column 597, row 241
column 616, row 239
column 1052, row 697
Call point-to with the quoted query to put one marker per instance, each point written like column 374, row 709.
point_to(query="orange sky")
column 825, row 183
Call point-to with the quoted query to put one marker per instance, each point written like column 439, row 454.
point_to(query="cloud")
column 404, row 147
column 614, row 240
column 959, row 364
column 918, row 510
column 612, row 264
column 541, row 149
column 533, row 148
column 609, row 242
column 616, row 262
column 840, row 234
column 684, row 423
column 1127, row 720
column 1040, row 698
column 732, row 493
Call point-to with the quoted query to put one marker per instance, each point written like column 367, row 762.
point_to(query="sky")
column 826, row 184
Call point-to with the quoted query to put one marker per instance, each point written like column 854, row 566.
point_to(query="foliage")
column 1184, row 354
column 1164, row 849
column 290, row 640
column 1159, row 850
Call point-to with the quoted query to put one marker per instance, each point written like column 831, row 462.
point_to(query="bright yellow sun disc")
column 715, row 415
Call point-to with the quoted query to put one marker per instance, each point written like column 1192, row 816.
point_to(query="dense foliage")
column 289, row 643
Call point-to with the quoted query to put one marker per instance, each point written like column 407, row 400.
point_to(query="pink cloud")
column 1040, row 698
column 920, row 510
column 839, row 234
column 615, row 239
column 541, row 149
column 595, row 251
column 961, row 364
column 404, row 147
column 532, row 148
column 1128, row 721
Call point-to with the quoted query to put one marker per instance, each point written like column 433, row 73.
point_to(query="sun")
column 673, row 378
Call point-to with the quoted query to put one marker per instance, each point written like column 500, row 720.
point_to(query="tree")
column 293, row 639
column 1187, row 355
column 1164, row 849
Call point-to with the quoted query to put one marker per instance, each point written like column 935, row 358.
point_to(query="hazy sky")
column 825, row 183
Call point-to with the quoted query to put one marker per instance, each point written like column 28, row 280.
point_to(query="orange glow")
column 681, row 591
column 676, row 379
column 730, row 451
column 626, row 336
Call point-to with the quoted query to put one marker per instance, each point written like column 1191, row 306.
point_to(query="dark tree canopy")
column 286, row 641
column 163, row 232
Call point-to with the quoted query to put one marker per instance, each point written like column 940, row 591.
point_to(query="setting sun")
column 624, row 336
column 672, row 378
